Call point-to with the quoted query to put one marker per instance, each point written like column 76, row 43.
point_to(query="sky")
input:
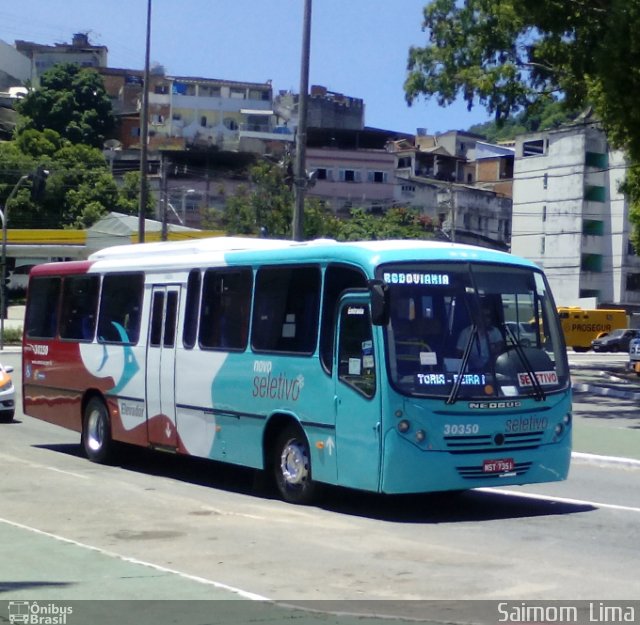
column 358, row 47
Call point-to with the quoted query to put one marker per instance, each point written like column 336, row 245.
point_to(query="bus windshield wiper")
column 453, row 396
column 538, row 391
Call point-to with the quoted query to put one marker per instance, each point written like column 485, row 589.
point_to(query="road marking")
column 604, row 460
column 575, row 502
column 112, row 554
column 36, row 465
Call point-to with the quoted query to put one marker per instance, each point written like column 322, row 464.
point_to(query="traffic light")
column 38, row 183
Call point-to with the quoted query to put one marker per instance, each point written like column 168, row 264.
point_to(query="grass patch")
column 12, row 336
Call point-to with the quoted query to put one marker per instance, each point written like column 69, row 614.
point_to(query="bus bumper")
column 409, row 469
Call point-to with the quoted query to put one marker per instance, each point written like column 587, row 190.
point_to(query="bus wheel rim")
column 294, row 464
column 95, row 430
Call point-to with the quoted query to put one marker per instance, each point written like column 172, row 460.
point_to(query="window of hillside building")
column 404, row 162
column 79, row 309
column 42, row 312
column 349, row 175
column 237, row 94
column 120, row 308
column 633, row 282
column 593, row 193
column 596, row 159
column 226, row 302
column 591, row 262
column 533, row 148
column 377, row 176
column 544, row 213
column 285, row 312
column 592, row 227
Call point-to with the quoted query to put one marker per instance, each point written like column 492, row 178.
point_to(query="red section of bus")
column 55, row 381
column 62, row 268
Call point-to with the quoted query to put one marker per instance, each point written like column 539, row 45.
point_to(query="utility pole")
column 300, row 173
column 144, row 131
column 452, row 213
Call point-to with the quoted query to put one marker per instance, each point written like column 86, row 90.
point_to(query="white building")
column 570, row 217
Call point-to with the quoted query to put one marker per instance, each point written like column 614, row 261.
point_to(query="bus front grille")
column 493, row 442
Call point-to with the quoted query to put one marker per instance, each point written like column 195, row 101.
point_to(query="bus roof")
column 223, row 251
column 239, row 250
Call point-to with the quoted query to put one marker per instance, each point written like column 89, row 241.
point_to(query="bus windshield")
column 472, row 331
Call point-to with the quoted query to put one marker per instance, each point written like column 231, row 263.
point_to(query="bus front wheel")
column 292, row 467
column 96, row 431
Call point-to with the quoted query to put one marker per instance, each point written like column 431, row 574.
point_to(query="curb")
column 606, row 391
column 604, row 460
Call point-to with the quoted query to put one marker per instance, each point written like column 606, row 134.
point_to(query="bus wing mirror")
column 379, row 302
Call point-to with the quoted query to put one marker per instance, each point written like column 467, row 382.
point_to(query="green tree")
column 549, row 115
column 397, row 223
column 71, row 101
column 128, row 201
column 513, row 55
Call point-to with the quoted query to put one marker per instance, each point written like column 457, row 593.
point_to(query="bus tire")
column 292, row 467
column 96, row 431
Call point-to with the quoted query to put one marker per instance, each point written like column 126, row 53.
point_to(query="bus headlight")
column 403, row 426
column 420, row 436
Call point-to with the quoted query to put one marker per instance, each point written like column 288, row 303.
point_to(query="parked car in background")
column 7, row 394
column 615, row 341
column 523, row 332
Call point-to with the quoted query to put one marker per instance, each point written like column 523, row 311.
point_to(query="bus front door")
column 161, row 367
column 358, row 404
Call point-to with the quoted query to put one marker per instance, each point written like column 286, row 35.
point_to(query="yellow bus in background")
column 580, row 325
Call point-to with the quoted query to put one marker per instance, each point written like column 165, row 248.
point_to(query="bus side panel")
column 118, row 372
column 54, row 382
column 226, row 419
column 58, row 374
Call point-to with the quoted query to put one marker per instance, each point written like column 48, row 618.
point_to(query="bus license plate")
column 503, row 465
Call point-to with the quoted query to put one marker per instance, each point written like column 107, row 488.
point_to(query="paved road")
column 45, row 556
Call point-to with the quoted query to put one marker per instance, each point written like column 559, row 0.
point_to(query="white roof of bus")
column 189, row 246
column 216, row 249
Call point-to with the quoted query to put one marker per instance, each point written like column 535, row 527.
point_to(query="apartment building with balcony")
column 570, row 217
column 465, row 190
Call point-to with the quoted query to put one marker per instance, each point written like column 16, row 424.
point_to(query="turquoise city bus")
column 387, row 366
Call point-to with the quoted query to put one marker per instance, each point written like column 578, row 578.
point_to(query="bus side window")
column 226, row 300
column 79, row 307
column 42, row 312
column 285, row 316
column 119, row 320
column 192, row 309
column 337, row 278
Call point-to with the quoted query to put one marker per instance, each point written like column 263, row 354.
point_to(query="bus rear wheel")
column 96, row 431
column 292, row 467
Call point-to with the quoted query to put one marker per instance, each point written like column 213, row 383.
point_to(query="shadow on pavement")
column 431, row 508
